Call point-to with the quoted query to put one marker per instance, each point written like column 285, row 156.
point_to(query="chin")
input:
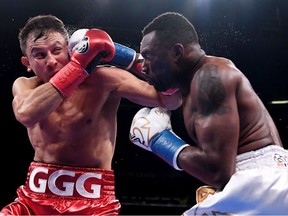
column 159, row 88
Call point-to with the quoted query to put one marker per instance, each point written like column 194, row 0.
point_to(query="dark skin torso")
column 225, row 117
column 221, row 111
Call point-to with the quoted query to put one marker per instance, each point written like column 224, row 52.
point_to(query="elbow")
column 25, row 114
column 25, row 119
column 175, row 105
column 219, row 179
column 171, row 102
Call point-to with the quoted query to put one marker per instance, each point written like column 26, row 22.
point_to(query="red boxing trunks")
column 57, row 190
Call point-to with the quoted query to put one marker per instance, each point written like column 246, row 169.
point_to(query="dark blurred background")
column 252, row 33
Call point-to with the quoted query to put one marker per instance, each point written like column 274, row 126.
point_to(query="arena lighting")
column 279, row 102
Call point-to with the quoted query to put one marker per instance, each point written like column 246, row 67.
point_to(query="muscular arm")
column 33, row 100
column 216, row 129
column 126, row 85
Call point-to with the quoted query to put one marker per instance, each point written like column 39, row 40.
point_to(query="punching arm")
column 124, row 57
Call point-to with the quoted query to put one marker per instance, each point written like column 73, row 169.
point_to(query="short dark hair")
column 39, row 26
column 172, row 28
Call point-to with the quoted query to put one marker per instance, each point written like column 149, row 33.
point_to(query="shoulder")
column 218, row 68
column 216, row 81
column 22, row 83
column 28, row 80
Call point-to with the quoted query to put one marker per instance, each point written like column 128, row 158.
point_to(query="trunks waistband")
column 259, row 152
column 65, row 181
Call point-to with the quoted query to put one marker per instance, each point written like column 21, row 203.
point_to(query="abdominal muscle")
column 83, row 139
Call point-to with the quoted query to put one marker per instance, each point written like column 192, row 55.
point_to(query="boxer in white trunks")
column 236, row 151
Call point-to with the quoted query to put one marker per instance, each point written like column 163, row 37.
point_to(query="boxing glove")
column 124, row 57
column 128, row 59
column 151, row 130
column 96, row 45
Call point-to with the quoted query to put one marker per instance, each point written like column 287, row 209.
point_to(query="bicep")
column 218, row 136
column 140, row 92
column 218, row 122
column 218, row 132
column 125, row 85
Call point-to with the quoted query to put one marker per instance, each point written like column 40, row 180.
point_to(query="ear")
column 26, row 63
column 178, row 51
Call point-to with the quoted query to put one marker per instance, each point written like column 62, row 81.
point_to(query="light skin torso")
column 79, row 130
column 82, row 130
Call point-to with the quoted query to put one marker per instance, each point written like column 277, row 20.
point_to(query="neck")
column 190, row 74
column 197, row 63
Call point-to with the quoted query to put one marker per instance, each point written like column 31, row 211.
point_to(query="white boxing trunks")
column 258, row 187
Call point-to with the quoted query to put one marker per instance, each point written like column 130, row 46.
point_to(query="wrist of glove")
column 151, row 130
column 68, row 78
column 124, row 57
column 167, row 145
column 95, row 45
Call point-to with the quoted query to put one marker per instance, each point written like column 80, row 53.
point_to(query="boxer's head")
column 40, row 26
column 166, row 43
column 44, row 43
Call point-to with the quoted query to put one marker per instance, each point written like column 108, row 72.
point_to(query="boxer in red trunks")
column 70, row 110
column 69, row 189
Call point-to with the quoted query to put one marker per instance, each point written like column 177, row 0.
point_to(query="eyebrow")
column 35, row 49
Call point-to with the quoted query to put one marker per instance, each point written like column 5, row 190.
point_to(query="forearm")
column 171, row 102
column 149, row 96
column 205, row 167
column 37, row 105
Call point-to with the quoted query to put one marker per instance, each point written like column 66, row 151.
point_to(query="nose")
column 50, row 60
